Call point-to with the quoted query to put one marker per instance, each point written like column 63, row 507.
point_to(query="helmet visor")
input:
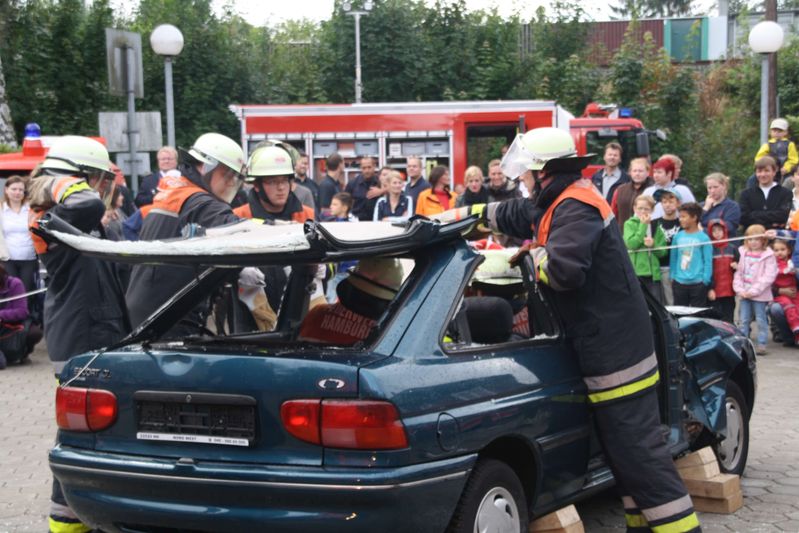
column 517, row 159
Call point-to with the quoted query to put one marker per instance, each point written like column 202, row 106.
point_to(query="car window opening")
column 499, row 305
column 290, row 308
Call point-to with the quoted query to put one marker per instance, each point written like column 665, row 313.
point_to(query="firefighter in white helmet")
column 84, row 308
column 270, row 169
column 579, row 253
column 197, row 194
column 363, row 297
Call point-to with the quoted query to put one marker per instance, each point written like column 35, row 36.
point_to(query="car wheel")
column 732, row 452
column 493, row 501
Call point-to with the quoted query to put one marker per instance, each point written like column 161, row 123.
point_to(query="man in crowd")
column 767, row 203
column 302, row 179
column 416, row 182
column 580, row 254
column 333, row 180
column 611, row 176
column 201, row 195
column 365, row 189
column 678, row 177
column 84, row 308
column 167, row 158
column 500, row 188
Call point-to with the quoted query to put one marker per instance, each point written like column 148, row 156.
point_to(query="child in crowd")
column 339, row 210
column 691, row 259
column 784, row 288
column 757, row 270
column 725, row 261
column 641, row 234
column 669, row 223
column 625, row 194
column 340, row 206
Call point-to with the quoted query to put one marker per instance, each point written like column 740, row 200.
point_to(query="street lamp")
column 367, row 7
column 167, row 41
column 765, row 38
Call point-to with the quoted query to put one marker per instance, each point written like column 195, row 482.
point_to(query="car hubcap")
column 497, row 513
column 730, row 448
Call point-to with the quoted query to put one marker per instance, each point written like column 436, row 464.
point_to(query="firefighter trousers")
column 654, row 496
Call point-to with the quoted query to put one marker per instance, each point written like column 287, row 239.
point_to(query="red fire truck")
column 455, row 134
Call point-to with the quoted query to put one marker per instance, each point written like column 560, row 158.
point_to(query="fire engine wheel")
column 732, row 452
column 493, row 500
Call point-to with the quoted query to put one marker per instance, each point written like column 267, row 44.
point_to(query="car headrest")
column 490, row 319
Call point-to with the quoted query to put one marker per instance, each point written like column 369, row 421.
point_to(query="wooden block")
column 707, row 471
column 698, row 458
column 726, row 505
column 719, row 487
column 557, row 521
column 577, row 527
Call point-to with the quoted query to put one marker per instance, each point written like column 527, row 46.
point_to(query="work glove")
column 540, row 259
column 459, row 213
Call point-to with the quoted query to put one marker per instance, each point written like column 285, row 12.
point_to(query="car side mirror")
column 642, row 143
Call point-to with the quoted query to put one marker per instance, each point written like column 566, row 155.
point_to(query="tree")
column 637, row 9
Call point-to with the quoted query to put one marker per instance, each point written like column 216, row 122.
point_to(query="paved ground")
column 771, row 484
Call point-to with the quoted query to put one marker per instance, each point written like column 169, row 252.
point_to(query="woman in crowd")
column 624, row 196
column 476, row 192
column 13, row 313
column 394, row 205
column 718, row 206
column 22, row 262
column 438, row 198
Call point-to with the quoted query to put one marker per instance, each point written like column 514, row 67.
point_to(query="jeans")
column 746, row 308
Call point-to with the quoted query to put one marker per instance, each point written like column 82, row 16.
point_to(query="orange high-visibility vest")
column 582, row 191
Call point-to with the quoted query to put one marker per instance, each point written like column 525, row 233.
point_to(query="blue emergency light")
column 33, row 131
column 625, row 112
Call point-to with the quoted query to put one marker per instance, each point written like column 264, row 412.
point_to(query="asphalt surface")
column 770, row 485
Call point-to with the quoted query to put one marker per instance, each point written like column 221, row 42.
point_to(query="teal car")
column 461, row 410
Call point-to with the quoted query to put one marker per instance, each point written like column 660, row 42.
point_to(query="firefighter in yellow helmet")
column 84, row 308
column 579, row 252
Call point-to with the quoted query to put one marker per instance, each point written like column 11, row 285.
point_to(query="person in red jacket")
column 784, row 286
column 725, row 260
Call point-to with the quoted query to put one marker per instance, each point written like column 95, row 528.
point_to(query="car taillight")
column 301, row 419
column 78, row 409
column 349, row 424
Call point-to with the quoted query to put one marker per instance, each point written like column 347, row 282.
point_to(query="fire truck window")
column 595, row 144
column 485, row 142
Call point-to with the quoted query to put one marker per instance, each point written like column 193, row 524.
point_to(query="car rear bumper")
column 117, row 492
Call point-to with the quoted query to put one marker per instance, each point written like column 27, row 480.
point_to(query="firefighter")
column 210, row 176
column 363, row 297
column 270, row 169
column 84, row 308
column 580, row 254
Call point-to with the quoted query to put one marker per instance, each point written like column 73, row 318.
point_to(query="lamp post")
column 765, row 38
column 167, row 41
column 357, row 13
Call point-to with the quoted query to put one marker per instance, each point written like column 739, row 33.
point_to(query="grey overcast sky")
column 272, row 12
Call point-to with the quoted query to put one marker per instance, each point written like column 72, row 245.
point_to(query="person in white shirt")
column 663, row 173
column 22, row 262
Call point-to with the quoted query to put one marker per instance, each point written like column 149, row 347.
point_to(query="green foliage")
column 636, row 9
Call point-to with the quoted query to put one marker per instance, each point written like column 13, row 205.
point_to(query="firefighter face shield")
column 543, row 149
column 223, row 182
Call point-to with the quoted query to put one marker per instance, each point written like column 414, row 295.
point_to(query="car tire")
column 493, row 500
column 733, row 451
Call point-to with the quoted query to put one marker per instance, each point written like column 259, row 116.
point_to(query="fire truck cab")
column 454, row 134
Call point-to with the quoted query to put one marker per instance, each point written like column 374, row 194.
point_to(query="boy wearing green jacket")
column 643, row 239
